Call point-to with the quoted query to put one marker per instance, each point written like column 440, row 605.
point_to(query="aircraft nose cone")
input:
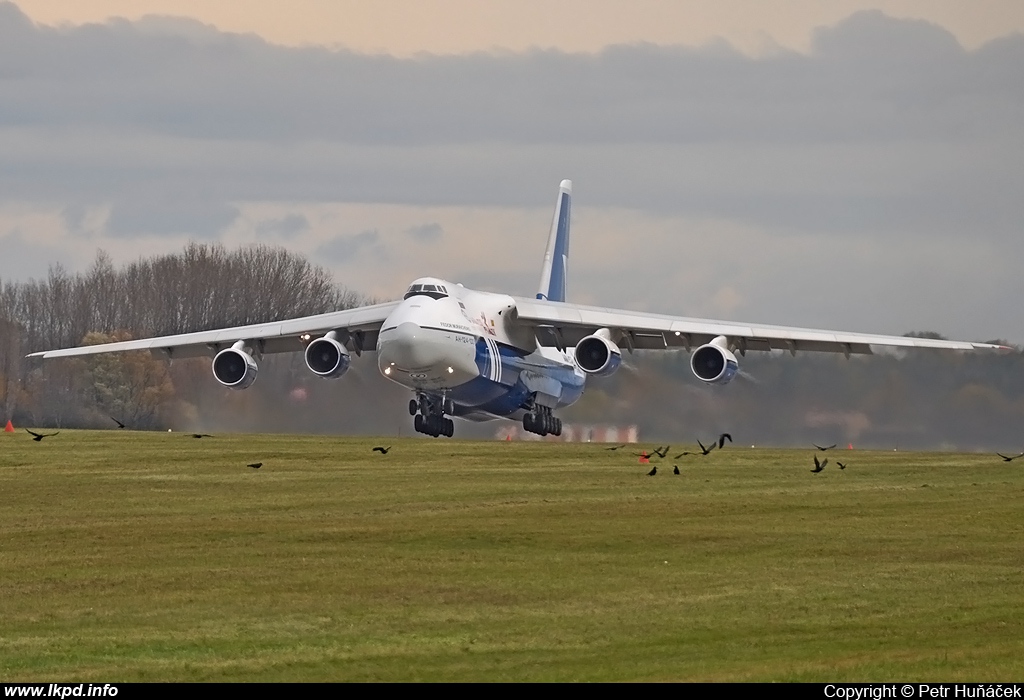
column 410, row 348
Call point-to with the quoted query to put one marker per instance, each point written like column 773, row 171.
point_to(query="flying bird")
column 703, row 450
column 1010, row 459
column 823, row 448
column 722, row 438
column 654, row 470
column 200, row 435
column 841, row 465
column 255, row 465
column 38, row 437
column 662, row 451
column 382, row 450
column 119, row 423
column 614, row 448
column 706, row 450
column 818, row 466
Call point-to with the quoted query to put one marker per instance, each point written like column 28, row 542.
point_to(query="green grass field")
column 148, row 556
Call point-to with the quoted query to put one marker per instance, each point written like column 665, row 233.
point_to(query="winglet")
column 556, row 257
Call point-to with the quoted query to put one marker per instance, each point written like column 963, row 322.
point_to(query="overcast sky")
column 851, row 165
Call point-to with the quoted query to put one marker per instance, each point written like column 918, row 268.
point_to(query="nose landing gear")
column 429, row 415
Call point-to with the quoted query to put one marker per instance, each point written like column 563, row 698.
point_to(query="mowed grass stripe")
column 145, row 556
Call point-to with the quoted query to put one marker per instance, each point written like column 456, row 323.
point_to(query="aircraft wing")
column 357, row 329
column 560, row 324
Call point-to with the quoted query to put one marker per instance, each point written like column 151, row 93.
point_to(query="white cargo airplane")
column 480, row 356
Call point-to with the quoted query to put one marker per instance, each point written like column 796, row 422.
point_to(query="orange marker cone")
column 9, row 428
column 849, row 446
column 644, row 459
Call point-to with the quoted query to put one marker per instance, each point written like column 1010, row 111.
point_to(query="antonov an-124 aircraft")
column 479, row 356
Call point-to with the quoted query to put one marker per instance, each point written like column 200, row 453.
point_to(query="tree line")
column 201, row 288
column 920, row 399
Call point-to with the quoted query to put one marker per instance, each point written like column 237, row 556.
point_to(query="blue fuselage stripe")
column 499, row 390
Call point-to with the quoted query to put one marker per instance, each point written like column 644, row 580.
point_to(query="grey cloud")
column 345, row 248
column 198, row 218
column 868, row 76
column 74, row 216
column 872, row 37
column 287, row 226
column 426, row 233
column 523, row 283
column 22, row 259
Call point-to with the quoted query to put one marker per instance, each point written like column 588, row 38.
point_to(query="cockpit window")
column 434, row 291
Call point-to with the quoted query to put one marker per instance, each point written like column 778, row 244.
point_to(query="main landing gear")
column 429, row 415
column 541, row 422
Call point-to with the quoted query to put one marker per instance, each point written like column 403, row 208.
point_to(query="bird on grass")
column 823, row 448
column 675, row 469
column 1010, row 459
column 382, row 450
column 818, row 466
column 38, row 437
column 255, row 465
column 654, row 470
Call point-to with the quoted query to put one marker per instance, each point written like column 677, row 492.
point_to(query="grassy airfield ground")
column 146, row 556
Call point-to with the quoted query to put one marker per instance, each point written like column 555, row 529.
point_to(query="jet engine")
column 327, row 358
column 597, row 354
column 714, row 363
column 234, row 367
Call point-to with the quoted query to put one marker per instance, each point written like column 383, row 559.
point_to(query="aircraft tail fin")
column 556, row 257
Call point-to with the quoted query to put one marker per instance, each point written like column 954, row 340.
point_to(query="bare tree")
column 203, row 287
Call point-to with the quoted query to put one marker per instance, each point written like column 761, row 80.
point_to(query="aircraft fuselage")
column 462, row 353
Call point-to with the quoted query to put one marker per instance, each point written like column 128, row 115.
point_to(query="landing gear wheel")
column 541, row 422
column 429, row 417
column 538, row 424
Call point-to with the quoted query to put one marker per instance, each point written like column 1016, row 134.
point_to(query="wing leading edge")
column 564, row 324
column 357, row 327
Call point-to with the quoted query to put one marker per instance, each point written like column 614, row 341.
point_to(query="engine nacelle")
column 714, row 363
column 327, row 358
column 235, row 368
column 598, row 355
